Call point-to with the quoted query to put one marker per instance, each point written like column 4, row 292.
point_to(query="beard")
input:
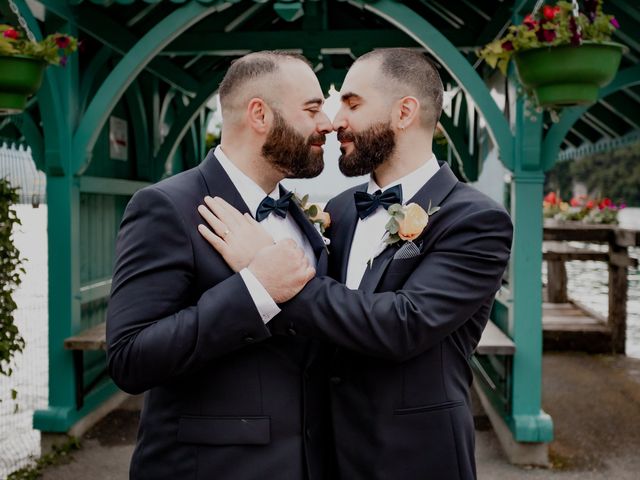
column 290, row 153
column 371, row 147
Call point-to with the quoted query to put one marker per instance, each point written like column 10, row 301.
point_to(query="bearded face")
column 371, row 147
column 290, row 152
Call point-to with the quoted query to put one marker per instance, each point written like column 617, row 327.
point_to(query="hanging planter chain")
column 21, row 21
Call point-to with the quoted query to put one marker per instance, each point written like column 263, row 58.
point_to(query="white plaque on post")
column 118, row 138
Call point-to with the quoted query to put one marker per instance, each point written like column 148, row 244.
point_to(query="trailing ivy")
column 11, row 342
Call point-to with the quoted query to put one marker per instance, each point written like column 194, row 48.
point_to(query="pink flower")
column 545, row 35
column 615, row 23
column 529, row 22
column 11, row 33
column 63, row 41
column 63, row 61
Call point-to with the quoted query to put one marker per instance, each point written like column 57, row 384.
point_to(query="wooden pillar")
column 618, row 285
column 557, row 281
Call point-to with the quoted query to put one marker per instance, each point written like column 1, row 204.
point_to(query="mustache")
column 343, row 135
column 317, row 138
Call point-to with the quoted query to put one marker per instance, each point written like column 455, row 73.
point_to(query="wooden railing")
column 556, row 251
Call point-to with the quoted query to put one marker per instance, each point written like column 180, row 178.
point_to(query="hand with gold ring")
column 236, row 237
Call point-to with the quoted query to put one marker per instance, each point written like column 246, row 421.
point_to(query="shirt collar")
column 412, row 182
column 250, row 191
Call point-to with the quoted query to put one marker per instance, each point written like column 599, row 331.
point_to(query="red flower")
column 574, row 202
column 590, row 204
column 11, row 33
column 63, row 41
column 545, row 35
column 605, row 203
column 549, row 12
column 529, row 22
column 507, row 46
column 551, row 198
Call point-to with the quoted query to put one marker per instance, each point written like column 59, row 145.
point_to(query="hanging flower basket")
column 23, row 61
column 21, row 77
column 563, row 53
column 565, row 76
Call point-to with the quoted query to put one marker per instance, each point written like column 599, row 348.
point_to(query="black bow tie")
column 269, row 205
column 367, row 203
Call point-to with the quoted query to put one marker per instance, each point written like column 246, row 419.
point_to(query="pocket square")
column 408, row 250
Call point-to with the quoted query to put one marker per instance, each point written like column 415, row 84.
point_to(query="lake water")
column 18, row 441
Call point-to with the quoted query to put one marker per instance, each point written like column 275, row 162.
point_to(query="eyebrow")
column 315, row 101
column 350, row 95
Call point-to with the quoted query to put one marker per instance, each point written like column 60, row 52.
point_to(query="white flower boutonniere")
column 314, row 213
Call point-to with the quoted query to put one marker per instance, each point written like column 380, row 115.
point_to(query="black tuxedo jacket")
column 224, row 398
column 400, row 375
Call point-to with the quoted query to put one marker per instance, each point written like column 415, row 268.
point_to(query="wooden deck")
column 570, row 326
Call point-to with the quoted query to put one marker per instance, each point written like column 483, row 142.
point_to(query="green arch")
column 126, row 71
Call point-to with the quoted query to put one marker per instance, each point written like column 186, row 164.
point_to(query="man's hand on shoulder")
column 283, row 270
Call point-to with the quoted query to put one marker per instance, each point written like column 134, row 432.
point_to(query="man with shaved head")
column 224, row 398
column 416, row 258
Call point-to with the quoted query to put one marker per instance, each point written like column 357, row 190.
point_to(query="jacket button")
column 308, row 433
column 292, row 332
column 335, row 380
column 249, row 339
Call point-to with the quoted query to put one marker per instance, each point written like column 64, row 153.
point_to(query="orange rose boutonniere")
column 314, row 213
column 407, row 222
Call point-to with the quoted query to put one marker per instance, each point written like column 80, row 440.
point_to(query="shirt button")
column 292, row 331
column 335, row 380
column 249, row 339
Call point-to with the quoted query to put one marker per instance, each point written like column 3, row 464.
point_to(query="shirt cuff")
column 267, row 308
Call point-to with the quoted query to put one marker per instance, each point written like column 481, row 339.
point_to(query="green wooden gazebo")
column 131, row 108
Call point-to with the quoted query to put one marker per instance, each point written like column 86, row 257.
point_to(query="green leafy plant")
column 54, row 49
column 11, row 342
column 551, row 26
column 59, row 455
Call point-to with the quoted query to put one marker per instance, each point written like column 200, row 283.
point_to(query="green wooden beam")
column 452, row 60
column 125, row 72
column 96, row 66
column 140, row 124
column 553, row 140
column 110, row 33
column 109, row 186
column 220, row 43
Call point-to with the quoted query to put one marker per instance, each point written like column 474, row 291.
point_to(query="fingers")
column 222, row 212
column 214, row 240
column 231, row 213
column 216, row 224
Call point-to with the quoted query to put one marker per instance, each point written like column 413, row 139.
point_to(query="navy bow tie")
column 367, row 203
column 269, row 205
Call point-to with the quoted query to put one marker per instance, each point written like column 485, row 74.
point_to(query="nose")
column 340, row 120
column 324, row 125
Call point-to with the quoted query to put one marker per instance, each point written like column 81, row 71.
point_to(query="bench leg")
column 78, row 369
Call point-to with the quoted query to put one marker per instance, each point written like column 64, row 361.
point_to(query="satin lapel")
column 314, row 237
column 434, row 191
column 219, row 184
column 341, row 244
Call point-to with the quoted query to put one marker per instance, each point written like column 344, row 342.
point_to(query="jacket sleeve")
column 445, row 289
column 157, row 328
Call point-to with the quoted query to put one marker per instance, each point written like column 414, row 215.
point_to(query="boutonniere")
column 314, row 213
column 407, row 223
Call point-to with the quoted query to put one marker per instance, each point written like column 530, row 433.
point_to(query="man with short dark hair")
column 224, row 398
column 416, row 259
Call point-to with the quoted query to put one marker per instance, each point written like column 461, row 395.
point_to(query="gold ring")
column 225, row 233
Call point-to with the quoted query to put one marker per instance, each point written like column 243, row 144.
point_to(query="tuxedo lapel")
column 219, row 184
column 313, row 235
column 434, row 192
column 341, row 244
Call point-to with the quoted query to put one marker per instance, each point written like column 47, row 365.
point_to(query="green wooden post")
column 527, row 421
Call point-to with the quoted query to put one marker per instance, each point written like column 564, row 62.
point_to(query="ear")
column 407, row 113
column 258, row 115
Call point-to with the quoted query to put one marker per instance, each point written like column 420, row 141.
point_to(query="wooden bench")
column 93, row 339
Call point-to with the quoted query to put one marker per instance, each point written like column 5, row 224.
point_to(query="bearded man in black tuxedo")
column 225, row 398
column 409, row 289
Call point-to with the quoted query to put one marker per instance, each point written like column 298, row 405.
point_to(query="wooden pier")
column 567, row 324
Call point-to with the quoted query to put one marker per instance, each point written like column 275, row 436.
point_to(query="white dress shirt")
column 367, row 238
column 279, row 228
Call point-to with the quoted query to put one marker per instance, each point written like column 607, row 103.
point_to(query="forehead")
column 299, row 81
column 360, row 79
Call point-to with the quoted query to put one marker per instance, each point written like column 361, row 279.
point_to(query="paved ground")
column 594, row 401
